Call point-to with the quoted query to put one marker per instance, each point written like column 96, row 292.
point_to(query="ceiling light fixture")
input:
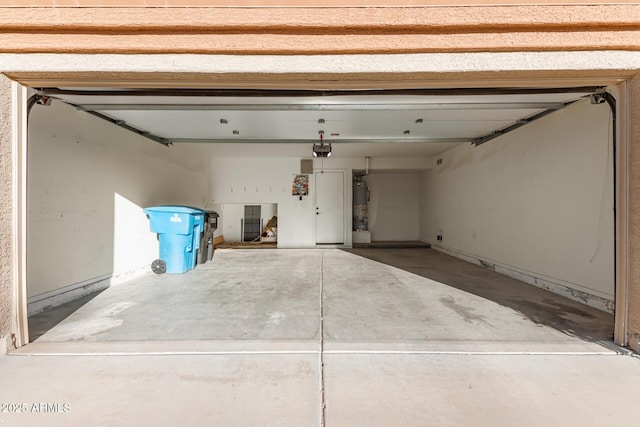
column 322, row 149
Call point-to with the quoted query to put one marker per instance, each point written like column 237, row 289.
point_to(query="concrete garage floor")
column 324, row 337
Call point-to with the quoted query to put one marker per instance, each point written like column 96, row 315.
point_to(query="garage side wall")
column 536, row 204
column 88, row 181
column 6, row 214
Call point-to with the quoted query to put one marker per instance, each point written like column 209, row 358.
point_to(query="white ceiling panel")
column 303, row 125
column 357, row 124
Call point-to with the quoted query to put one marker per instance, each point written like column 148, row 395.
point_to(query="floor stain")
column 466, row 313
column 568, row 308
column 569, row 319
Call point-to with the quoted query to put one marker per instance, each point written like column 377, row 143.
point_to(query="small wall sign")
column 300, row 185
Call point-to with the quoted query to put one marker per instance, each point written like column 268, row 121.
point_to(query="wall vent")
column 306, row 166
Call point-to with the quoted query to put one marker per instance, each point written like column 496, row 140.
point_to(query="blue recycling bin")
column 178, row 229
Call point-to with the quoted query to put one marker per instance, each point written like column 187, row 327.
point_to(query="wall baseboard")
column 47, row 300
column 39, row 303
column 557, row 287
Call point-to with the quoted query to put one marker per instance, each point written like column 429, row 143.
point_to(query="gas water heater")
column 360, row 200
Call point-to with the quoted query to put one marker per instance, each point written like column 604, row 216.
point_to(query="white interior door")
column 329, row 207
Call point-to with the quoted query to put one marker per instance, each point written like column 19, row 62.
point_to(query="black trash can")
column 205, row 253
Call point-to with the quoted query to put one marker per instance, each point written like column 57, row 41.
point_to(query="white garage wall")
column 88, row 182
column 394, row 208
column 265, row 181
column 250, row 180
column 537, row 202
column 232, row 214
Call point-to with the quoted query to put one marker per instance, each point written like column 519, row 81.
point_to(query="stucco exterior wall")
column 634, row 213
column 6, row 212
column 321, row 30
column 283, row 3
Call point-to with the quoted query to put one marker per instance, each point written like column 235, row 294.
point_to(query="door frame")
column 622, row 218
column 346, row 204
column 19, row 113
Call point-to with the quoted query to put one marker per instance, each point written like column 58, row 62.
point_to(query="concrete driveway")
column 317, row 337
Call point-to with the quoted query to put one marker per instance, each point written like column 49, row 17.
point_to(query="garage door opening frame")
column 19, row 139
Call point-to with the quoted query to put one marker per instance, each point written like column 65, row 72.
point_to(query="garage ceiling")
column 397, row 123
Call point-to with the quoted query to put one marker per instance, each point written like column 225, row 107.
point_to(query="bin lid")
column 175, row 209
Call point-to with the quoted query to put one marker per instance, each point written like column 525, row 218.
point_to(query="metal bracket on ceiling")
column 121, row 123
column 38, row 99
column 518, row 124
column 599, row 96
column 42, row 97
column 43, row 100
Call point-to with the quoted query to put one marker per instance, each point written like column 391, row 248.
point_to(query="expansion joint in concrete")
column 323, row 405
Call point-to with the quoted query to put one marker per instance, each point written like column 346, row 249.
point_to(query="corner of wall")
column 89, row 182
